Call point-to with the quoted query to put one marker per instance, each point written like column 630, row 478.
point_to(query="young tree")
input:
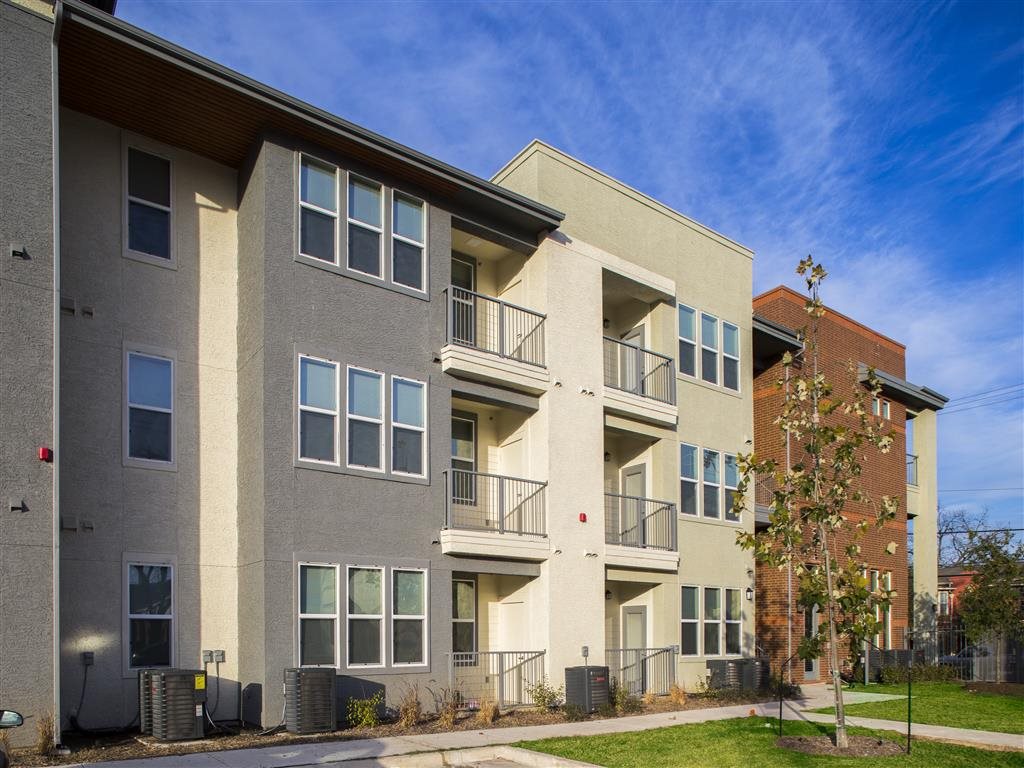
column 956, row 527
column 808, row 527
column 993, row 603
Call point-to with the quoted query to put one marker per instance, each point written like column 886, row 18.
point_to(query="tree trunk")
column 833, row 651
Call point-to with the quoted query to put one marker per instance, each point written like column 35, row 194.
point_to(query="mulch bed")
column 860, row 746
column 1003, row 689
column 124, row 746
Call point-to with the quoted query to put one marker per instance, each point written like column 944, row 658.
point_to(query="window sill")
column 682, row 377
column 160, row 466
column 362, row 277
column 711, row 521
column 147, row 258
column 337, row 469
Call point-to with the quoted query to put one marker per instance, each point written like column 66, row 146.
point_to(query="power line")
column 970, row 407
column 972, row 490
column 983, row 530
column 962, row 398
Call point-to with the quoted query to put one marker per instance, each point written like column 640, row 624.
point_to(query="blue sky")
column 887, row 139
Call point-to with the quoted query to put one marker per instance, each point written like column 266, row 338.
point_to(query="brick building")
column 846, row 349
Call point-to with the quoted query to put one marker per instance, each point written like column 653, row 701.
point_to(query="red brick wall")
column 842, row 342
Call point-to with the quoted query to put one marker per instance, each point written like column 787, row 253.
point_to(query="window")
column 365, row 419
column 150, row 408
column 463, row 460
column 687, row 341
column 887, row 614
column 365, row 617
column 318, row 210
column 408, row 616
column 365, row 228
column 688, row 479
column 150, row 607
column 712, row 621
column 318, row 409
column 885, row 409
column 689, row 644
column 709, row 348
column 407, row 242
column 732, row 479
column 463, row 616
column 880, row 408
column 730, row 356
column 733, row 622
column 943, row 603
column 873, row 584
column 149, row 205
column 712, row 481
column 318, row 615
column 408, row 427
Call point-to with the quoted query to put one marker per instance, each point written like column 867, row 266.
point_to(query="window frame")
column 396, row 193
column 473, row 621
column 697, row 621
column 382, row 617
column 728, row 490
column 887, row 612
column 695, row 480
column 336, row 215
column 171, row 262
column 155, row 353
column 726, row 621
column 716, row 349
column 336, row 616
column 127, row 616
column 705, row 621
column 738, row 358
column 350, row 179
column 395, row 424
column 424, row 617
column 705, row 484
column 695, row 376
column 381, row 421
column 314, row 409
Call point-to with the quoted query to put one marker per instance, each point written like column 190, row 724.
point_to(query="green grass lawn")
column 748, row 743
column 945, row 704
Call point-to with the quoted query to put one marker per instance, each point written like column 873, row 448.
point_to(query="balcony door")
column 463, row 460
column 631, row 361
column 463, row 300
column 634, row 488
column 634, row 639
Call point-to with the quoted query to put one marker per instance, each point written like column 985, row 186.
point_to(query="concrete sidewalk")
column 340, row 752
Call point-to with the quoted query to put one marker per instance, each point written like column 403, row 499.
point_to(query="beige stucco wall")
column 924, row 501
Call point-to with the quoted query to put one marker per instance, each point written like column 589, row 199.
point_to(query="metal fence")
column 495, row 326
column 504, row 677
column 479, row 501
column 643, row 670
column 640, row 371
column 911, row 469
column 993, row 659
column 631, row 521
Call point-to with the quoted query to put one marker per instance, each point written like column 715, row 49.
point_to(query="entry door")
column 634, row 488
column 463, row 301
column 634, row 640
column 511, row 637
column 464, row 463
column 812, row 668
column 631, row 365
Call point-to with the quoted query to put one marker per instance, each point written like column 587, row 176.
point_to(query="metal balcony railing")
column 504, row 677
column 495, row 326
column 630, row 368
column 630, row 521
column 911, row 469
column 643, row 670
column 478, row 501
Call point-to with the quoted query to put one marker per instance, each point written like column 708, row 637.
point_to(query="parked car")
column 8, row 719
column 963, row 660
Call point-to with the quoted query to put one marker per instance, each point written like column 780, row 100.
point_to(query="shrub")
column 607, row 710
column 625, row 701
column 5, row 742
column 925, row 673
column 574, row 713
column 44, row 734
column 677, row 695
column 545, row 695
column 446, row 705
column 410, row 711
column 487, row 713
column 365, row 713
column 649, row 698
column 788, row 691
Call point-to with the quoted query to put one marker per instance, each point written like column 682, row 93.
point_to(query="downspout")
column 58, row 9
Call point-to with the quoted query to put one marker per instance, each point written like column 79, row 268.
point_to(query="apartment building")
column 908, row 472
column 283, row 390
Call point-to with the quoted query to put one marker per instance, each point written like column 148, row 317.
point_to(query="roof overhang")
column 121, row 74
column 902, row 391
column 772, row 340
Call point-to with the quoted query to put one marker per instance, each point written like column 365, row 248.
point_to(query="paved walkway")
column 340, row 752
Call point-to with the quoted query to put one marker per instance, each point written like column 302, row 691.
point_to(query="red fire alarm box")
column 583, row 517
column 45, row 454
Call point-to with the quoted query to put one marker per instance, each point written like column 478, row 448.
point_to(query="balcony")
column 639, row 382
column 494, row 341
column 640, row 533
column 494, row 516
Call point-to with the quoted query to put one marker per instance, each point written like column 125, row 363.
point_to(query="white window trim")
column 336, row 616
column 696, row 480
column 314, row 409
column 887, row 612
column 172, row 261
column 381, row 616
column 695, row 376
column 303, row 157
column 471, row 621
column 705, row 484
column 395, row 424
column 704, row 620
column 728, row 489
column 697, row 621
column 716, row 349
column 423, row 617
column 738, row 357
column 159, row 354
column 726, row 621
column 350, row 179
column 886, row 412
column 126, row 633
column 380, row 421
column 401, row 238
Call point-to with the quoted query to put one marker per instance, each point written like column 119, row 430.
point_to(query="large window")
column 463, row 615
column 365, row 419
column 733, row 622
column 732, row 480
column 712, row 621
column 408, row 427
column 318, row 615
column 318, row 210
column 318, row 409
column 149, row 205
column 730, row 356
column 408, row 617
column 712, row 483
column 365, row 227
column 709, row 348
column 689, row 644
column 688, row 479
column 365, row 617
column 149, row 419
column 408, row 242
column 687, row 341
column 150, row 608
